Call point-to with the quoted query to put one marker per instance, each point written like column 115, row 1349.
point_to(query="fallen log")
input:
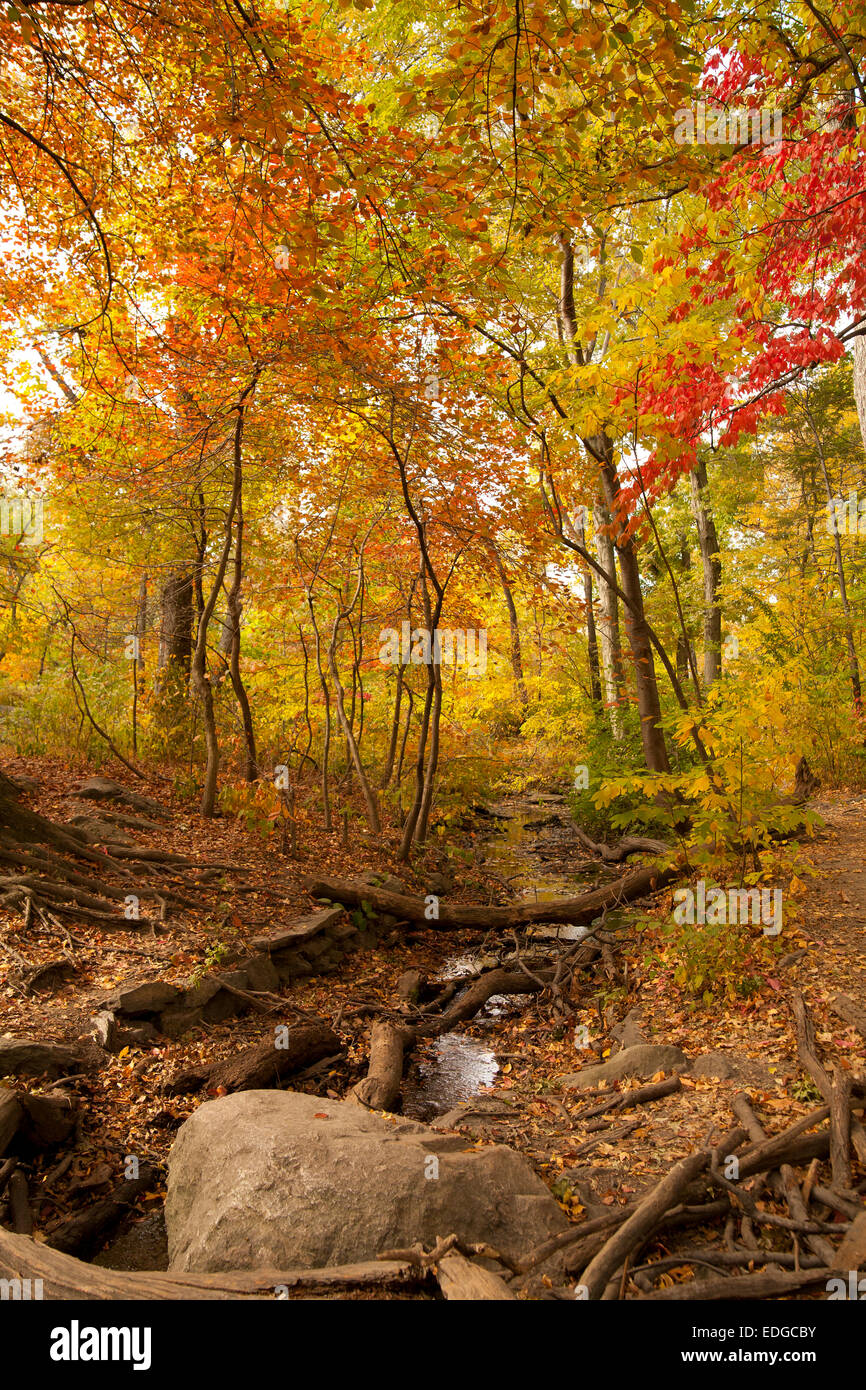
column 763, row 1285
column 574, row 911
column 628, row 845
column 83, row 1233
column 260, row 1066
column 380, row 1088
column 64, row 1277
column 655, row 1090
column 462, row 1280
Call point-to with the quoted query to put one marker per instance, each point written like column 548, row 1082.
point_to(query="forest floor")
column 527, row 1105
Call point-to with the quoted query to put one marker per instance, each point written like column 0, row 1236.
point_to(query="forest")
column 432, row 616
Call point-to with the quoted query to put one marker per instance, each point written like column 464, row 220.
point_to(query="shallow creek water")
column 533, row 851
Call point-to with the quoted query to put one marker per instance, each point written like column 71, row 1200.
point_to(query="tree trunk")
column 433, row 759
column 579, row 911
column 859, row 354
column 514, row 628
column 395, row 731
column 608, row 621
column 708, row 542
column 853, row 662
column 649, row 709
column 367, row 792
column 200, row 678
column 234, row 619
column 591, row 633
column 174, row 657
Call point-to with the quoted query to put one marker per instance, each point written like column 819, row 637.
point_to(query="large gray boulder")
column 266, row 1179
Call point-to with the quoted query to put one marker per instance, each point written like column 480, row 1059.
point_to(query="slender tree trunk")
column 234, row 614
column 708, row 542
column 415, row 809
column 649, row 709
column 433, row 758
column 600, row 448
column 141, row 620
column 199, row 673
column 395, row 731
column 326, row 697
column 514, row 628
column 367, row 792
column 608, row 622
column 589, row 611
column 685, row 649
column 410, row 700
column 859, row 353
column 853, row 663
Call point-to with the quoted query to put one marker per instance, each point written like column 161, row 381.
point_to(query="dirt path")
column 835, row 906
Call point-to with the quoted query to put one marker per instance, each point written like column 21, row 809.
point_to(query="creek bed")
column 533, row 852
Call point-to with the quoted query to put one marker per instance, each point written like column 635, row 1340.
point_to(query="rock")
column 101, row 832
column 142, row 1035
column 24, row 1057
column 299, row 932
column 174, row 1023
column 198, row 995
column 262, row 974
column 343, row 932
column 385, row 881
column 223, row 1006
column 410, row 986
column 105, row 1030
column 713, row 1064
column 627, row 1033
column 291, row 964
column 285, row 1180
column 151, row 997
column 642, row 1060
column 48, row 1120
column 11, row 1115
column 113, row 1038
column 103, row 789
column 237, row 979
column 25, row 784
column 317, row 947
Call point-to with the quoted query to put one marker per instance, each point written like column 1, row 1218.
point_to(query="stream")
column 532, row 850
